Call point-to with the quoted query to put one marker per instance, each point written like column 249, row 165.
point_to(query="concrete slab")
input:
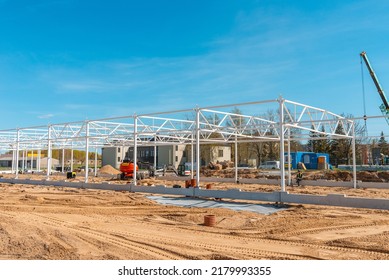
column 276, row 197
column 204, row 203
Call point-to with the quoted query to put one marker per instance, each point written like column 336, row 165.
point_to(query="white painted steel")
column 191, row 159
column 282, row 141
column 48, row 171
column 95, row 162
column 135, row 148
column 13, row 162
column 86, row 151
column 236, row 159
column 197, row 147
column 38, row 164
column 107, row 132
column 63, row 161
column 23, row 161
column 155, row 155
column 167, row 128
column 17, row 154
column 71, row 159
column 354, row 159
column 289, row 161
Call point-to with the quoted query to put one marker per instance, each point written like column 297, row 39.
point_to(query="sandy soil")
column 39, row 222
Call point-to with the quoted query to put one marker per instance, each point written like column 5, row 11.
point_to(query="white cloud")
column 76, row 106
column 265, row 55
column 79, row 86
column 46, row 116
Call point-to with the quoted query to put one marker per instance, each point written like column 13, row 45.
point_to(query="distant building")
column 215, row 153
column 6, row 160
column 376, row 156
column 113, row 156
column 167, row 155
column 309, row 159
column 29, row 163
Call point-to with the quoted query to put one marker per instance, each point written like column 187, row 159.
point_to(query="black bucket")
column 70, row 175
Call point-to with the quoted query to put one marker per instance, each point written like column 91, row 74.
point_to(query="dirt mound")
column 383, row 175
column 369, row 176
column 365, row 176
column 336, row 175
column 108, row 169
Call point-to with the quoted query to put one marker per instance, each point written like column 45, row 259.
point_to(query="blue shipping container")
column 309, row 159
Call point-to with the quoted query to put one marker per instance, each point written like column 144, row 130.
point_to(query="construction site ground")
column 56, row 223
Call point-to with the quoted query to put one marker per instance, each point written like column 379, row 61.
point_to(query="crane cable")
column 364, row 99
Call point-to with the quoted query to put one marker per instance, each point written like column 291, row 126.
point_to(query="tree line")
column 57, row 154
column 339, row 149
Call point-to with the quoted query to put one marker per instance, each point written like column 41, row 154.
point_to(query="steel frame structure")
column 200, row 126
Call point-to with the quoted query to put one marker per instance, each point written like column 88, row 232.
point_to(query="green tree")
column 340, row 148
column 324, row 144
column 266, row 150
column 312, row 144
column 318, row 142
column 383, row 145
column 77, row 154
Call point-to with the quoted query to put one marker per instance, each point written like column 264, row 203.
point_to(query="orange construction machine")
column 127, row 169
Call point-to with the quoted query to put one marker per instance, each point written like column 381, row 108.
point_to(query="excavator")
column 127, row 169
column 385, row 105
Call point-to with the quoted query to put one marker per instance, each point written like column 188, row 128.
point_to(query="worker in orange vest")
column 299, row 177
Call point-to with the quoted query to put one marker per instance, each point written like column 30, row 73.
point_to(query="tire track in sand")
column 150, row 252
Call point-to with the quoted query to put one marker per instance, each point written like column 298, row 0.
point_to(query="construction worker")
column 299, row 177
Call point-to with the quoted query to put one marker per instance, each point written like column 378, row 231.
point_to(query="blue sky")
column 73, row 60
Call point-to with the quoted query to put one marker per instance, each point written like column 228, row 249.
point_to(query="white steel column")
column 282, row 140
column 38, row 163
column 32, row 159
column 354, row 159
column 135, row 148
column 48, row 153
column 155, row 154
column 197, row 147
column 236, row 159
column 26, row 160
column 191, row 159
column 289, row 161
column 96, row 162
column 23, row 161
column 17, row 154
column 71, row 159
column 86, row 152
column 63, row 160
column 13, row 161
